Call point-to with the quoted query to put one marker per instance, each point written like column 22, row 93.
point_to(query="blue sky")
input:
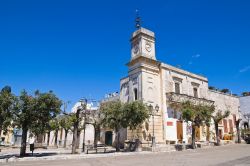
column 80, row 48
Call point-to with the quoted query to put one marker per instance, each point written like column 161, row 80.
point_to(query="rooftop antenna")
column 137, row 20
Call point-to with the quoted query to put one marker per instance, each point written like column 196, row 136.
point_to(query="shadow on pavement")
column 7, row 156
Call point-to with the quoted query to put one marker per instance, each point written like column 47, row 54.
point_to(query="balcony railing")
column 175, row 97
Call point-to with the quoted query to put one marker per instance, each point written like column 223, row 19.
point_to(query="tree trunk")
column 0, row 133
column 118, row 141
column 238, row 131
column 74, row 142
column 61, row 133
column 44, row 138
column 48, row 139
column 97, row 134
column 193, row 137
column 65, row 138
column 23, row 142
column 217, row 134
column 78, row 139
column 75, row 133
column 56, row 135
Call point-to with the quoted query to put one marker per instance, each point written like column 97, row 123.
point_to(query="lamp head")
column 157, row 108
column 150, row 107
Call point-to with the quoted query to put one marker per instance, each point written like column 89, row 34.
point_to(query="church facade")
column 157, row 84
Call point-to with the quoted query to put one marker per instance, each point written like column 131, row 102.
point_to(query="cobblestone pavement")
column 230, row 155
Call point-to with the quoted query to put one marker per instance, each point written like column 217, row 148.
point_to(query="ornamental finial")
column 137, row 20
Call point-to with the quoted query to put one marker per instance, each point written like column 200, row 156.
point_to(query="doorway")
column 220, row 133
column 108, row 138
column 208, row 133
column 179, row 126
column 197, row 133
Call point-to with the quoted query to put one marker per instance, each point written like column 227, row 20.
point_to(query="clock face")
column 136, row 48
column 148, row 46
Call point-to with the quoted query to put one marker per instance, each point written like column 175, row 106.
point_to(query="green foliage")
column 219, row 115
column 136, row 113
column 114, row 117
column 197, row 114
column 54, row 124
column 47, row 108
column 24, row 111
column 225, row 90
column 66, row 122
column 7, row 100
column 212, row 88
column 34, row 113
column 245, row 93
column 118, row 115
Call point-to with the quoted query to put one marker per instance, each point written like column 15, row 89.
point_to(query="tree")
column 245, row 93
column 96, row 118
column 225, row 90
column 237, row 122
column 219, row 115
column 197, row 114
column 76, row 129
column 137, row 113
column 55, row 126
column 66, row 122
column 34, row 113
column 118, row 116
column 7, row 100
column 114, row 118
column 212, row 88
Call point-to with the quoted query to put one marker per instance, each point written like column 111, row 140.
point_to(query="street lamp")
column 84, row 112
column 153, row 113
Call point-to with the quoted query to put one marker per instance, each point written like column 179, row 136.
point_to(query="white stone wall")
column 245, row 104
column 89, row 136
column 225, row 102
column 187, row 81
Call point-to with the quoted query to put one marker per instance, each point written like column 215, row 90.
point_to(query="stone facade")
column 152, row 81
column 245, row 110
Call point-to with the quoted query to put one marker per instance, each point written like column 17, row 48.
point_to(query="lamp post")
column 84, row 112
column 153, row 114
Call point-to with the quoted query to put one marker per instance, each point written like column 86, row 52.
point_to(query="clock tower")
column 143, row 82
column 143, row 44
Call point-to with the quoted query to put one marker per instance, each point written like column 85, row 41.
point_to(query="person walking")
column 32, row 143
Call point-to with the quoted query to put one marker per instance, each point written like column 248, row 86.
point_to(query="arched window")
column 135, row 94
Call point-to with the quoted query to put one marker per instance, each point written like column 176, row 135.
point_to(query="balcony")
column 179, row 98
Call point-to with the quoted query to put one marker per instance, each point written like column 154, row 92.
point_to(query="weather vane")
column 137, row 20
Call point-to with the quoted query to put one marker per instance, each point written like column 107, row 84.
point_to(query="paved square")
column 230, row 155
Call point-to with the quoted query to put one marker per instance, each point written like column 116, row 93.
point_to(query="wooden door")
column 197, row 133
column 220, row 133
column 208, row 133
column 179, row 126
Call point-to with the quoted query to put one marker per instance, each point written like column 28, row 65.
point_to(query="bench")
column 98, row 147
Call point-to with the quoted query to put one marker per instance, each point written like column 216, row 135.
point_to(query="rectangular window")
column 195, row 92
column 225, row 126
column 231, row 125
column 234, row 119
column 177, row 88
column 135, row 94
